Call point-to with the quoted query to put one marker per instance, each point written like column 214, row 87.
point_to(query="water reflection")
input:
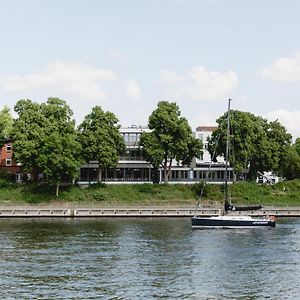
column 146, row 259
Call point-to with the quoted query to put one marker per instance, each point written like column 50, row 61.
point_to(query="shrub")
column 197, row 187
column 10, row 177
column 4, row 183
column 145, row 188
column 100, row 196
column 97, row 185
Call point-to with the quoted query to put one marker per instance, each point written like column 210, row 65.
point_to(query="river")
column 159, row 258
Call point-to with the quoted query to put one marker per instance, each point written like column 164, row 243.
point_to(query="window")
column 200, row 137
column 175, row 175
column 8, row 148
column 131, row 139
column 184, row 174
column 8, row 161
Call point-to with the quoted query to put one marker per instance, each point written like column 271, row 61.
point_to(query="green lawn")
column 283, row 194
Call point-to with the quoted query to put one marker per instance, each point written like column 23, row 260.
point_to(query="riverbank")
column 54, row 212
column 284, row 194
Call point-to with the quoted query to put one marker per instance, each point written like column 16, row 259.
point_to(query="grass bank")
column 283, row 194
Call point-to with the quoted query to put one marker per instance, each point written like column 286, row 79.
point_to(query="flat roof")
column 206, row 128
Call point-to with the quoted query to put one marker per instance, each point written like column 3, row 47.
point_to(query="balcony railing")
column 132, row 143
column 134, row 158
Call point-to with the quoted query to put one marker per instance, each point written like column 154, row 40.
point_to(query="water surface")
column 146, row 259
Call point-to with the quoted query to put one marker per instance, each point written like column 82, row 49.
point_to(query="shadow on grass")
column 37, row 193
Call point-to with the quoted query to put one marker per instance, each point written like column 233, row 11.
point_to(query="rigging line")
column 231, row 150
column 227, row 153
column 207, row 173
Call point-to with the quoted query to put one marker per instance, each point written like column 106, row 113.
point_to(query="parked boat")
column 226, row 220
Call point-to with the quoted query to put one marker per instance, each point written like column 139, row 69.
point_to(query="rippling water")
column 146, row 259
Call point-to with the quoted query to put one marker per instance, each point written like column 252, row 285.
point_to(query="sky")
column 126, row 55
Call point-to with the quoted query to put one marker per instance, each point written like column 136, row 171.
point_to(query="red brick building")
column 6, row 161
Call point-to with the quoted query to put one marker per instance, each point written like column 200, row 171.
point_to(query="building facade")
column 133, row 168
column 7, row 163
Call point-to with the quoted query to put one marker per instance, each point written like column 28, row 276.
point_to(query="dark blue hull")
column 230, row 222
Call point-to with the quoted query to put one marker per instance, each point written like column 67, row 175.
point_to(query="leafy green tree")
column 170, row 139
column 6, row 122
column 46, row 140
column 255, row 144
column 27, row 134
column 291, row 164
column 100, row 139
column 297, row 145
column 279, row 144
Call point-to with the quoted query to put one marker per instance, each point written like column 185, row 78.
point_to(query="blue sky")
column 127, row 55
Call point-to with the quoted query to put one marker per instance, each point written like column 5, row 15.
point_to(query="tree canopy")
column 46, row 140
column 6, row 122
column 255, row 143
column 100, row 139
column 170, row 140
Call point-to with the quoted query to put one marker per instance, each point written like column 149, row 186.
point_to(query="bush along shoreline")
column 285, row 193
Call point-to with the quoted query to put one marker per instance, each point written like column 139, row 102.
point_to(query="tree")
column 6, row 122
column 27, row 134
column 100, row 139
column 46, row 141
column 170, row 139
column 255, row 144
column 297, row 145
column 279, row 144
column 291, row 164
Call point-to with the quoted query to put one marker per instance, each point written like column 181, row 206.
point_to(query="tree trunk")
column 89, row 173
column 167, row 169
column 99, row 175
column 166, row 179
column 57, row 190
column 252, row 173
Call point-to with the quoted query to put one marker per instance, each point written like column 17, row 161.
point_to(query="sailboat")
column 231, row 221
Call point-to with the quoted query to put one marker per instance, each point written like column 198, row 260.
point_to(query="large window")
column 132, row 154
column 131, row 139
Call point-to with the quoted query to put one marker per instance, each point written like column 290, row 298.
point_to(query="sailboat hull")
column 231, row 222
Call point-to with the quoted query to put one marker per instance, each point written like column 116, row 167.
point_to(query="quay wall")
column 138, row 212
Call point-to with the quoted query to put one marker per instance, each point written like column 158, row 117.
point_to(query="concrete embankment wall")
column 137, row 212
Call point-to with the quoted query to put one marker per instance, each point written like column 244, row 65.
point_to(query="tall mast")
column 226, row 158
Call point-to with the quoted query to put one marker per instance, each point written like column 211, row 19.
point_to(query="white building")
column 203, row 133
column 133, row 168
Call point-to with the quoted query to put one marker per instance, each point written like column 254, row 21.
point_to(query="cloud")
column 62, row 77
column 290, row 119
column 115, row 53
column 199, row 84
column 132, row 89
column 203, row 119
column 283, row 69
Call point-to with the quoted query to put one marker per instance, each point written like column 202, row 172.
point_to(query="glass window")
column 8, row 148
column 132, row 137
column 125, row 136
column 8, row 161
